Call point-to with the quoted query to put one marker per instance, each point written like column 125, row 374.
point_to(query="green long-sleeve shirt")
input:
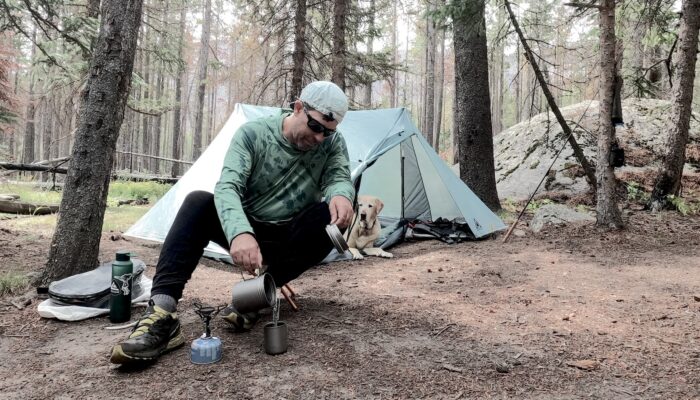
column 267, row 179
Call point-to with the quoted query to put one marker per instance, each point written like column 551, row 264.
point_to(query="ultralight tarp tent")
column 388, row 153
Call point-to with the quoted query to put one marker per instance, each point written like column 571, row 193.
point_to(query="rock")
column 524, row 152
column 502, row 368
column 558, row 214
column 519, row 232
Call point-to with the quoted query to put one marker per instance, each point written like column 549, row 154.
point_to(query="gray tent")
column 389, row 158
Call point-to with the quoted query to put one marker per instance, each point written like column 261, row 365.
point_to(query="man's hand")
column 245, row 252
column 341, row 211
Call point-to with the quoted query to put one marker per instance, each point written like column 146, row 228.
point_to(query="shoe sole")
column 119, row 357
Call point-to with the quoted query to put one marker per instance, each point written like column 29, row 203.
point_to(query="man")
column 266, row 208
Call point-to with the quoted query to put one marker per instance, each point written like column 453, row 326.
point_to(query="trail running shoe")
column 156, row 333
column 239, row 322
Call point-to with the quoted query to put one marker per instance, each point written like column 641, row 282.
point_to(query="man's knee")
column 198, row 197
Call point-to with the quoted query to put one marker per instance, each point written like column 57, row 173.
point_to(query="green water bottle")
column 122, row 283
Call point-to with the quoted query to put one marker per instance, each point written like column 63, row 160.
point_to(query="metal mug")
column 254, row 294
column 275, row 337
column 341, row 246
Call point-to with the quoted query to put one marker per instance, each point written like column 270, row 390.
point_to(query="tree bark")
column 668, row 180
column 394, row 80
column 299, row 54
column 201, row 81
column 440, row 89
column 338, row 60
column 587, row 168
column 429, row 107
column 75, row 243
column 476, row 161
column 367, row 101
column 608, row 215
column 177, row 120
column 29, row 131
column 145, row 119
column 160, row 83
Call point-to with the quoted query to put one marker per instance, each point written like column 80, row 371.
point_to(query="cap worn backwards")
column 326, row 98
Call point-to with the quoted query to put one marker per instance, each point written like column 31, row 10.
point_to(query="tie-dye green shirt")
column 267, row 179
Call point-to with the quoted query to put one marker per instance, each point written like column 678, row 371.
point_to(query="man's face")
column 302, row 136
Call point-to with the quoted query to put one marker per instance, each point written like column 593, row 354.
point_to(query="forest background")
column 196, row 59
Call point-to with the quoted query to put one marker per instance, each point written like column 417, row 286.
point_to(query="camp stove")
column 206, row 349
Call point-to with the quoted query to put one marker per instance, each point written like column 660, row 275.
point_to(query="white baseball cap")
column 326, row 98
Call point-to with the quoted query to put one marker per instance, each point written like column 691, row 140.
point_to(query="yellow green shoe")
column 156, row 333
column 238, row 321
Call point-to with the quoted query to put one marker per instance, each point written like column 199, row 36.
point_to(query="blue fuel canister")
column 206, row 350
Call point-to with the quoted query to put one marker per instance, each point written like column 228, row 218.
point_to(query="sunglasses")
column 317, row 127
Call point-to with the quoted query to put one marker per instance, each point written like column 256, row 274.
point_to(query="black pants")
column 288, row 250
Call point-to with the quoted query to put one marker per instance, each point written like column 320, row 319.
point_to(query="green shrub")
column 635, row 192
column 684, row 207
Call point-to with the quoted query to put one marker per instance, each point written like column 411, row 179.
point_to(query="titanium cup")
column 341, row 246
column 275, row 337
column 254, row 294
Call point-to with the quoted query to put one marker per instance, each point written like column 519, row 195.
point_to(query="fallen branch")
column 443, row 330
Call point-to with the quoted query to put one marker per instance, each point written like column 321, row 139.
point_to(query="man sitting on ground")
column 266, row 208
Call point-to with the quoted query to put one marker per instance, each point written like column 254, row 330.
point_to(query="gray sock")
column 167, row 303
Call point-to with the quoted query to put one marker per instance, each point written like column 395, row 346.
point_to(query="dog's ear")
column 378, row 203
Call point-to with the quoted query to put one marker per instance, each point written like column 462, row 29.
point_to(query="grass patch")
column 116, row 218
column 121, row 218
column 13, row 283
column 30, row 193
column 126, row 190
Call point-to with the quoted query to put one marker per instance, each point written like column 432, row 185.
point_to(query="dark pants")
column 288, row 250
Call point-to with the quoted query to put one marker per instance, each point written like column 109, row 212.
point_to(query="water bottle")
column 122, row 283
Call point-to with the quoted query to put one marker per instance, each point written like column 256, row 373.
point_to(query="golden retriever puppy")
column 366, row 229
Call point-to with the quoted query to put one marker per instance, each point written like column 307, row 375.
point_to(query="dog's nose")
column 363, row 216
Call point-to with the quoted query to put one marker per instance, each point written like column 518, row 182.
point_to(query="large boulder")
column 524, row 152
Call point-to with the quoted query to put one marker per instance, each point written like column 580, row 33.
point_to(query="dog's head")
column 368, row 209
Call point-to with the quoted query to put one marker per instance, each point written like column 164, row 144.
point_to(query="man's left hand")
column 341, row 211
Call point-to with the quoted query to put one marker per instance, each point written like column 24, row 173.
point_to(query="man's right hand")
column 245, row 252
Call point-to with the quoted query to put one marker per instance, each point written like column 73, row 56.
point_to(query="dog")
column 366, row 229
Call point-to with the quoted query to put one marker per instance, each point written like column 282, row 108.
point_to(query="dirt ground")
column 473, row 320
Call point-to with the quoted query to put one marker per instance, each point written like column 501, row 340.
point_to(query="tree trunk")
column 299, row 50
column 394, row 80
column 367, row 101
column 429, row 106
column 201, row 81
column 160, row 83
column 338, row 60
column 177, row 121
column 29, row 131
column 145, row 119
column 608, row 215
column 75, row 243
column 473, row 104
column 439, row 87
column 668, row 180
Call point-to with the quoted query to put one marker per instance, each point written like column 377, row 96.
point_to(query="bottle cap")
column 123, row 255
